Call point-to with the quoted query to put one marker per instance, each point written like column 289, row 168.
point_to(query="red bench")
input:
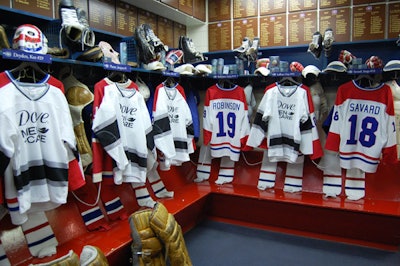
column 373, row 221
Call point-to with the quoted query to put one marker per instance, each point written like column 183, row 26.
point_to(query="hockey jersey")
column 37, row 146
column 363, row 128
column 103, row 164
column 225, row 121
column 122, row 126
column 284, row 119
column 172, row 100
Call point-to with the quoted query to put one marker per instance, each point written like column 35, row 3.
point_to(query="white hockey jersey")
column 123, row 127
column 172, row 100
column 284, row 119
column 363, row 128
column 38, row 141
column 225, row 121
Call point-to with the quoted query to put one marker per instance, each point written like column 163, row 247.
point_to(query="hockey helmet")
column 29, row 38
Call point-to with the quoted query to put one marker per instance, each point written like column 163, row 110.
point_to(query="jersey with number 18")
column 363, row 128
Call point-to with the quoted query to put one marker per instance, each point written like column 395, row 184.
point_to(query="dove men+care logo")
column 128, row 114
column 286, row 110
column 33, row 125
column 173, row 113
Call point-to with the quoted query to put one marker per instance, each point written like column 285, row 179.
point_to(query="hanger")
column 226, row 83
column 366, row 81
column 170, row 82
column 28, row 71
column 288, row 81
column 117, row 76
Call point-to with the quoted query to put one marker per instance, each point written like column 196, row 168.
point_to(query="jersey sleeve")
column 105, row 127
column 207, row 122
column 162, row 132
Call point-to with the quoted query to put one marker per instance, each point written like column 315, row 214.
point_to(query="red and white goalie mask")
column 30, row 38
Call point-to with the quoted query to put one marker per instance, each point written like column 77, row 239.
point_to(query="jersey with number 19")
column 363, row 128
column 225, row 121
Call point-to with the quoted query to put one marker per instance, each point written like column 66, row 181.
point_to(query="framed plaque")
column 272, row 7
column 366, row 2
column 369, row 22
column 5, row 3
column 179, row 30
column 172, row 3
column 301, row 5
column 126, row 17
column 40, row 7
column 333, row 3
column 273, row 30
column 244, row 28
column 219, row 36
column 165, row 31
column 394, row 20
column 245, row 8
column 102, row 15
column 186, row 6
column 199, row 9
column 219, row 10
column 338, row 20
column 148, row 18
column 302, row 27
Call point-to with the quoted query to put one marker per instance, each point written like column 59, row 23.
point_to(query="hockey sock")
column 39, row 235
column 142, row 195
column 3, row 257
column 332, row 185
column 226, row 171
column 355, row 184
column 112, row 203
column 88, row 205
column 266, row 178
column 294, row 177
column 204, row 164
column 332, row 174
column 157, row 184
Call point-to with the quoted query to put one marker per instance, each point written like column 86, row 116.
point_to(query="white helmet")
column 30, row 38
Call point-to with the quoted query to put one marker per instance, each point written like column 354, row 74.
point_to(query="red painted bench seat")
column 373, row 221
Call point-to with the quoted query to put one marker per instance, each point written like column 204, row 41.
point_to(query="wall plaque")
column 219, row 36
column 148, row 18
column 394, row 20
column 333, row 3
column 366, row 2
column 5, row 3
column 165, row 31
column 302, row 27
column 338, row 20
column 301, row 5
column 244, row 8
column 40, row 7
column 186, row 6
column 199, row 9
column 269, row 7
column 173, row 3
column 102, row 15
column 369, row 22
column 219, row 10
column 273, row 30
column 244, row 28
column 126, row 17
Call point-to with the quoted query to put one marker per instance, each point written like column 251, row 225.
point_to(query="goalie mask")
column 30, row 38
